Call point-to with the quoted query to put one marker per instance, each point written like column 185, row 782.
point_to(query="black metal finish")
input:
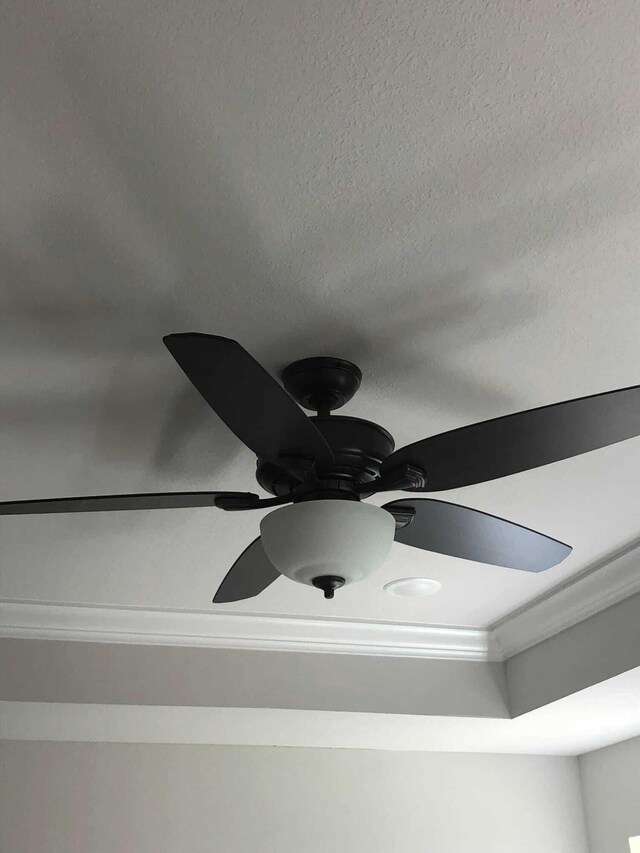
column 458, row 531
column 403, row 478
column 402, row 513
column 328, row 584
column 119, row 503
column 503, row 446
column 277, row 480
column 239, row 503
column 250, row 574
column 328, row 490
column 247, row 398
column 322, row 384
column 359, row 447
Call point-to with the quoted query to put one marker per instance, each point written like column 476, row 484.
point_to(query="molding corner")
column 601, row 585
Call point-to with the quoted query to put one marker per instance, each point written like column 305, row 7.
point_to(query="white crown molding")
column 41, row 621
column 602, row 585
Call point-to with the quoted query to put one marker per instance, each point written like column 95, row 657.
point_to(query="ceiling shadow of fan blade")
column 248, row 576
column 116, row 503
column 193, row 440
column 247, row 398
column 507, row 445
column 458, row 531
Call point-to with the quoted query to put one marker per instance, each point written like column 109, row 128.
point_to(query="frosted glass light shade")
column 327, row 537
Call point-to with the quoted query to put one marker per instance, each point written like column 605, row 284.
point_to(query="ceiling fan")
column 323, row 466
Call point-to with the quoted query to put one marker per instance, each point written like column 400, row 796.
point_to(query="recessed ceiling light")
column 412, row 586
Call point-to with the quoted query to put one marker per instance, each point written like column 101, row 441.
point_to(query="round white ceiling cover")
column 407, row 587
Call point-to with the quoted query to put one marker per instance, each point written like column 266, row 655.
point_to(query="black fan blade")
column 117, row 503
column 249, row 575
column 519, row 442
column 248, row 399
column 458, row 531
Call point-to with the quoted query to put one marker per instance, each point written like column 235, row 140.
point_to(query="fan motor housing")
column 359, row 447
column 324, row 384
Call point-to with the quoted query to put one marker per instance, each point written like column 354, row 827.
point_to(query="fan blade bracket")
column 247, row 500
column 297, row 466
column 403, row 515
column 403, row 478
column 237, row 501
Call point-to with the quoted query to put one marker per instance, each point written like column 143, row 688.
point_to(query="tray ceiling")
column 446, row 194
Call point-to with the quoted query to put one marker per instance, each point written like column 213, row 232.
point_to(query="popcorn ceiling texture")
column 446, row 193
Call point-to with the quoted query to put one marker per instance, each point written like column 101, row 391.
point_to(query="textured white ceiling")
column 446, row 193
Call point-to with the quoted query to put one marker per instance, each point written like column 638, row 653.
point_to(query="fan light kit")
column 327, row 543
column 326, row 465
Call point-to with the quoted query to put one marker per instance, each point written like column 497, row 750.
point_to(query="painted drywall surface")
column 106, row 798
column 51, row 671
column 611, row 791
column 444, row 192
column 594, row 650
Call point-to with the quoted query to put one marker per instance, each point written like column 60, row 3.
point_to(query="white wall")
column 611, row 789
column 108, row 798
